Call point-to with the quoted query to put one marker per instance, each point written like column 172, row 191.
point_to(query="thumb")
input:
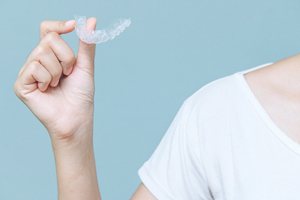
column 86, row 52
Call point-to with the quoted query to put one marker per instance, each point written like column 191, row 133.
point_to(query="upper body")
column 235, row 138
column 227, row 143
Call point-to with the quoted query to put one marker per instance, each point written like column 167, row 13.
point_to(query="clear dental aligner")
column 99, row 36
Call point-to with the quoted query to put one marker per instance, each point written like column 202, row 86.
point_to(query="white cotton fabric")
column 222, row 145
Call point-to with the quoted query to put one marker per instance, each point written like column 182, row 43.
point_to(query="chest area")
column 250, row 174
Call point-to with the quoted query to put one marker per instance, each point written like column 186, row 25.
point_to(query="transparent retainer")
column 99, row 36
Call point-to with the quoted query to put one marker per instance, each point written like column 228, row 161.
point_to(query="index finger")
column 59, row 27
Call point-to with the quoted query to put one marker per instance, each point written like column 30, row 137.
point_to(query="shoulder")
column 214, row 98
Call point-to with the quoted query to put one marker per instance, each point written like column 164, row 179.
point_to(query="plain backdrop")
column 173, row 48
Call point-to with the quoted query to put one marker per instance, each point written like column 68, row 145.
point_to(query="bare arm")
column 142, row 193
column 59, row 89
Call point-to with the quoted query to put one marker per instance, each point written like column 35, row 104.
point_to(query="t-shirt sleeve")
column 175, row 169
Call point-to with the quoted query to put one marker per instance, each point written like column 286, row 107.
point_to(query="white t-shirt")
column 223, row 145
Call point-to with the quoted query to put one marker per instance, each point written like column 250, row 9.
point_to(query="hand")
column 57, row 86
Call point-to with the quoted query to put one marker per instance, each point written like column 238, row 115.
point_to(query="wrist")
column 81, row 138
column 73, row 153
column 75, row 165
column 71, row 125
column 77, row 130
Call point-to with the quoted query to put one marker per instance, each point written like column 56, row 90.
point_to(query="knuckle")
column 21, row 71
column 40, row 50
column 34, row 66
column 43, row 26
column 17, row 90
column 51, row 36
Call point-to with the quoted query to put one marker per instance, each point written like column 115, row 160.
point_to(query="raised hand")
column 58, row 87
column 55, row 84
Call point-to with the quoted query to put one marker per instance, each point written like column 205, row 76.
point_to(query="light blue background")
column 172, row 49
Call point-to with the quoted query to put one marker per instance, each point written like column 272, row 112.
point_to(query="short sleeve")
column 175, row 169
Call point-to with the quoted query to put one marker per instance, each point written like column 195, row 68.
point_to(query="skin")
column 58, row 87
column 277, row 88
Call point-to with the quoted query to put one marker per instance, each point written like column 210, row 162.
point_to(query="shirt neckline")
column 278, row 132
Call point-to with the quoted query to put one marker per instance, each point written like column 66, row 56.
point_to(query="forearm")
column 75, row 166
column 58, row 87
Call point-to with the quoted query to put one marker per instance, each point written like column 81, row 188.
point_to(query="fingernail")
column 56, row 84
column 70, row 23
column 42, row 86
column 91, row 23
